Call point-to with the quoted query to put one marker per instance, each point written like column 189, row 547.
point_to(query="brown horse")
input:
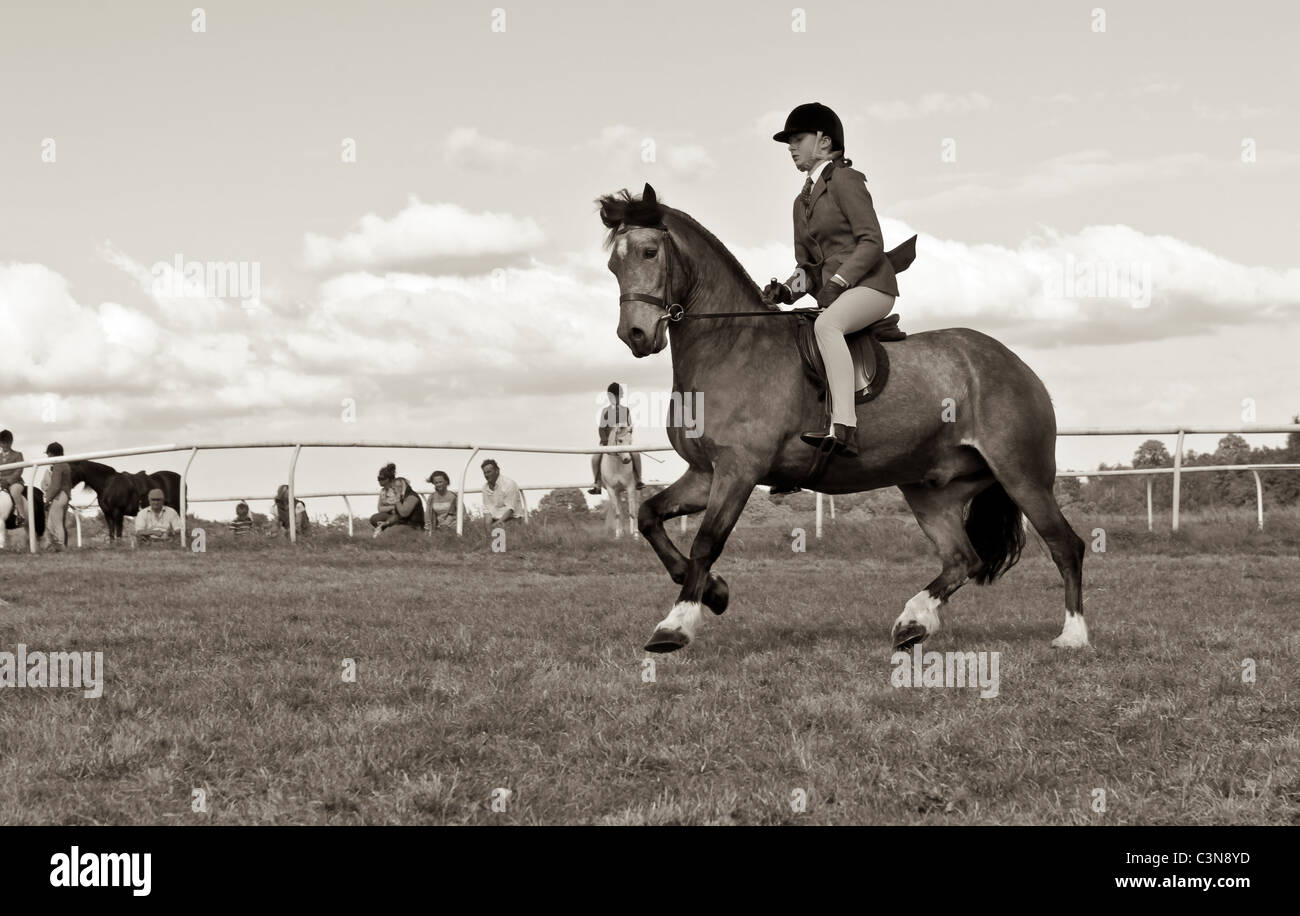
column 963, row 422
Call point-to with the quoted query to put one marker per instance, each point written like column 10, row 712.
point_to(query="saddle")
column 870, row 360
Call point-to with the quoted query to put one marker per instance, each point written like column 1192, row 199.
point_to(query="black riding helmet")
column 810, row 118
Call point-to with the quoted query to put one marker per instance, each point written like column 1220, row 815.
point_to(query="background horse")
column 619, row 480
column 7, row 515
column 963, row 428
column 122, row 494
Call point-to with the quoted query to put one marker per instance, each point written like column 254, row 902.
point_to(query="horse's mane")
column 95, row 465
column 622, row 209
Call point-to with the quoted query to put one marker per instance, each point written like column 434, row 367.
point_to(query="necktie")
column 807, row 192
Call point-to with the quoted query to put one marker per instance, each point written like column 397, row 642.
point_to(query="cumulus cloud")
column 1060, row 176
column 677, row 156
column 466, row 147
column 420, row 232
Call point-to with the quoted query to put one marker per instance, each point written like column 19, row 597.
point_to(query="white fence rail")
column 474, row 449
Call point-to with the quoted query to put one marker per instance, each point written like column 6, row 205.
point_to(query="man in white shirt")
column 157, row 523
column 502, row 501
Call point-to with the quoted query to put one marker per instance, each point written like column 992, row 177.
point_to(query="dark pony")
column 122, row 494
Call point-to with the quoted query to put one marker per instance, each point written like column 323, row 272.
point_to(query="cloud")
column 1060, row 176
column 932, row 103
column 465, row 147
column 1101, row 285
column 421, row 232
column 678, row 157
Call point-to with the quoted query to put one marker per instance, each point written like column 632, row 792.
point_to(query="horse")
column 619, row 480
column 122, row 494
column 963, row 428
column 7, row 515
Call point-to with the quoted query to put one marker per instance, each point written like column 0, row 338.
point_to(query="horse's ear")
column 648, row 195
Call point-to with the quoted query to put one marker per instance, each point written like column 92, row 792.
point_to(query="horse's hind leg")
column 941, row 514
column 1031, row 488
column 1067, row 549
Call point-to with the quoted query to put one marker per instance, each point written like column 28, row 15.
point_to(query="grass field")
column 523, row 670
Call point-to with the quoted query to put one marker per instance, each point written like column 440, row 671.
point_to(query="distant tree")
column 568, row 499
column 1293, row 443
column 1232, row 449
column 1152, row 454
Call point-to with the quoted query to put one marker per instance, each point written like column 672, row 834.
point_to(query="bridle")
column 672, row 311
column 675, row 311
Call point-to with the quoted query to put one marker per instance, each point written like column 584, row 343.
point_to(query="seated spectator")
column 387, row 497
column 158, row 523
column 13, row 480
column 502, row 501
column 408, row 511
column 282, row 512
column 243, row 523
column 58, row 492
column 442, row 503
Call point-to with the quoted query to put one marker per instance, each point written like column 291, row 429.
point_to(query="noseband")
column 672, row 311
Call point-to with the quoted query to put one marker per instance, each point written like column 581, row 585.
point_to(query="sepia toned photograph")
column 673, row 414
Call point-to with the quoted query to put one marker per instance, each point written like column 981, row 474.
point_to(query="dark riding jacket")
column 839, row 234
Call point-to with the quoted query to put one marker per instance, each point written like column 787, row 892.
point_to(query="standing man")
column 612, row 417
column 502, row 501
column 58, row 493
column 13, row 480
column 158, row 523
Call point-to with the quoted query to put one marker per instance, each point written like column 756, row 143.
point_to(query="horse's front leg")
column 690, row 493
column 701, row 587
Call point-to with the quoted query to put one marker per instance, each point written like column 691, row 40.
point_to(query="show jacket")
column 839, row 234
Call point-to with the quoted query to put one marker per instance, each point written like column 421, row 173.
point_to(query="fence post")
column 460, row 497
column 293, row 508
column 1150, row 517
column 348, row 506
column 1259, row 499
column 819, row 515
column 185, row 503
column 31, row 511
column 832, row 502
column 1178, row 475
column 77, row 516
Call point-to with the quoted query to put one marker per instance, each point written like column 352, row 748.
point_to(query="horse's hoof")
column 667, row 641
column 716, row 594
column 908, row 635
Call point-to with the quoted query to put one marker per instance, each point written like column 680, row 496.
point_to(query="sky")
column 409, row 191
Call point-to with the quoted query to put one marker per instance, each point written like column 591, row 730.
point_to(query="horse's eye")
column 651, row 253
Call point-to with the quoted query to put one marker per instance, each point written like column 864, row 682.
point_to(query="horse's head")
column 622, row 435
column 648, row 266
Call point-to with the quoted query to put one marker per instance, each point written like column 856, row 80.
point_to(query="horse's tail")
column 996, row 531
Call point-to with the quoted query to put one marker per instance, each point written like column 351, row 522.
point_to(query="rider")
column 841, row 258
column 12, row 481
column 612, row 417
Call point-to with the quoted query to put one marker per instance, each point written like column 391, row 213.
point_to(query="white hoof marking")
column 921, row 609
column 684, row 618
column 1074, row 635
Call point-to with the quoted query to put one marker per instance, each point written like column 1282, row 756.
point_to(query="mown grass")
column 523, row 670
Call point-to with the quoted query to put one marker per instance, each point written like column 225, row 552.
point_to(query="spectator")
column 157, row 523
column 442, row 503
column 282, row 512
column 58, row 492
column 243, row 523
column 13, row 480
column 387, row 497
column 408, row 511
column 502, row 501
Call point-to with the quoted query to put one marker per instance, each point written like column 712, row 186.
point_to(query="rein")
column 675, row 311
